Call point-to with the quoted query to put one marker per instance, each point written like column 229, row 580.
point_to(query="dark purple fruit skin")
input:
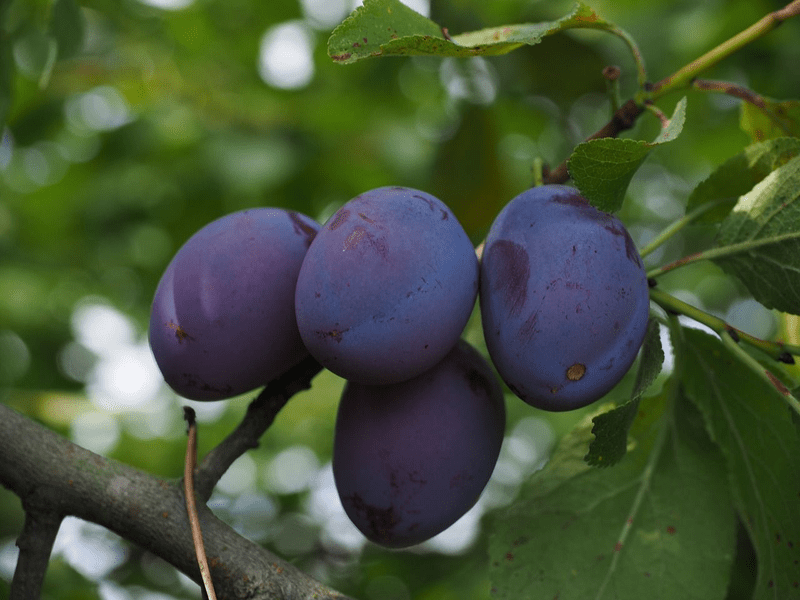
column 222, row 321
column 410, row 459
column 387, row 286
column 564, row 298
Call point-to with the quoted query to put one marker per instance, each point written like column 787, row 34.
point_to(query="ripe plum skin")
column 387, row 286
column 409, row 459
column 564, row 298
column 222, row 320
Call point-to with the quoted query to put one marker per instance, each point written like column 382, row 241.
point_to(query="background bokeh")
column 133, row 123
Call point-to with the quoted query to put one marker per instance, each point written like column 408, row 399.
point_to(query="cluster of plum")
column 380, row 295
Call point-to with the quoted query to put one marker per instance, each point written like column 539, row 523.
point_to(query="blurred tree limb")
column 46, row 470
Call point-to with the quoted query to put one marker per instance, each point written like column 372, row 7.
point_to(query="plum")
column 409, row 459
column 386, row 287
column 222, row 321
column 564, row 298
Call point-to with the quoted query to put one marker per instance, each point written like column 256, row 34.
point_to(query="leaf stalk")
column 671, row 304
column 676, row 226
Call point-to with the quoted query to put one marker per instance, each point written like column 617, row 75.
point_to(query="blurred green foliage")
column 127, row 127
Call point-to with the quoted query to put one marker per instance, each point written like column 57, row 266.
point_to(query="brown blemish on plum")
column 192, row 382
column 354, row 237
column 338, row 219
column 428, row 201
column 302, row 228
column 528, row 328
column 478, row 382
column 571, row 198
column 630, row 247
column 360, row 234
column 365, row 217
column 381, row 521
column 576, row 372
column 180, row 333
column 333, row 334
column 509, row 261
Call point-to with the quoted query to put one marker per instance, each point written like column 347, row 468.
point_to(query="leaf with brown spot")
column 594, row 532
column 747, row 417
column 393, row 29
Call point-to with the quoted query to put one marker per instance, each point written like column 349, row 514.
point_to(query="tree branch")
column 623, row 119
column 146, row 510
column 260, row 415
column 35, row 545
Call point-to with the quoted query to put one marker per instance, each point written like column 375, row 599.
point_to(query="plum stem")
column 777, row 350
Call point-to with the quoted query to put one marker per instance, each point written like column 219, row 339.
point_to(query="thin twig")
column 732, row 89
column 629, row 112
column 742, row 93
column 260, row 415
column 684, row 76
column 622, row 120
column 191, row 506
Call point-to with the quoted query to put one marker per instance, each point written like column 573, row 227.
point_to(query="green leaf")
column 737, row 176
column 374, row 25
column 611, row 428
column 661, row 520
column 652, row 360
column 776, row 119
column 674, row 126
column 389, row 28
column 603, row 168
column 67, row 27
column 759, row 241
column 747, row 417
